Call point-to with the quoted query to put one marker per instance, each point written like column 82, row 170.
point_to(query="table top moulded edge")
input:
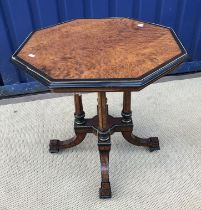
column 94, row 85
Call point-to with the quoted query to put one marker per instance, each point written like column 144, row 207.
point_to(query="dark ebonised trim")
column 102, row 83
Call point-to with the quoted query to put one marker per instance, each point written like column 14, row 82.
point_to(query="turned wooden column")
column 126, row 111
column 104, row 145
column 102, row 111
column 79, row 113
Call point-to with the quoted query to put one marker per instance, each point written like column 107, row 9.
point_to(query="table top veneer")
column 99, row 50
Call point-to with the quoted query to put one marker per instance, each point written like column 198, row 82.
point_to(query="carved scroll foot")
column 55, row 145
column 152, row 142
column 105, row 190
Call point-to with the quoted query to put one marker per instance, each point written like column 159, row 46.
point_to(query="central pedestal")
column 103, row 126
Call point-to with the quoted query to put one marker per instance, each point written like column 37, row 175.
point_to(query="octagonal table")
column 101, row 55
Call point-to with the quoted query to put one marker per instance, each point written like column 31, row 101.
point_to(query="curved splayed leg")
column 56, row 145
column 152, row 142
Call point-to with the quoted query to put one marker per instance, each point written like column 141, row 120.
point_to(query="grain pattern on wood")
column 99, row 48
column 102, row 110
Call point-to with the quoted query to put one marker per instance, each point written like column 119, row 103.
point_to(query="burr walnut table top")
column 100, row 53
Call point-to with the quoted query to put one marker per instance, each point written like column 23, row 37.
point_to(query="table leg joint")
column 79, row 118
column 126, row 117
